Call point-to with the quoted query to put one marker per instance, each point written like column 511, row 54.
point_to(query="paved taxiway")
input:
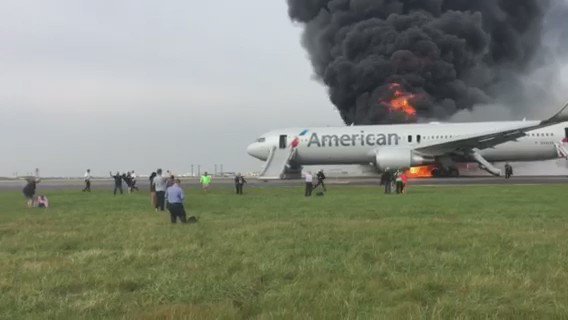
column 98, row 184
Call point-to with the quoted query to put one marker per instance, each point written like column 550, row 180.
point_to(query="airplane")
column 403, row 146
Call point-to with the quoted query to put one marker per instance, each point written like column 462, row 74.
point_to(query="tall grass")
column 446, row 252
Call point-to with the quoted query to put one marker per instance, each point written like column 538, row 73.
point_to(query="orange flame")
column 400, row 101
column 421, row 172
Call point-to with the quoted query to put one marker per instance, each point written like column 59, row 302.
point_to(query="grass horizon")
column 495, row 252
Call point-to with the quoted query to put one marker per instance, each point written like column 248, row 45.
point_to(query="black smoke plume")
column 448, row 55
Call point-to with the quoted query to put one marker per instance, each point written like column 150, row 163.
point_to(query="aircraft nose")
column 257, row 150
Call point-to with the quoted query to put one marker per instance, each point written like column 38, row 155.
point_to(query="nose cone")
column 258, row 151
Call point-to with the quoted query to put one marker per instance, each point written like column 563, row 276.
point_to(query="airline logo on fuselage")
column 352, row 140
column 296, row 142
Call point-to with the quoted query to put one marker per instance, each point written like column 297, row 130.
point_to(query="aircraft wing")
column 491, row 139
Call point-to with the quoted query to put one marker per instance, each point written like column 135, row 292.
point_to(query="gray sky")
column 120, row 85
column 124, row 84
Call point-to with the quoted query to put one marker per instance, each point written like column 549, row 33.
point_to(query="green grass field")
column 438, row 252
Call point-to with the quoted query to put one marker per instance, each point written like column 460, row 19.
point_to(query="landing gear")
column 436, row 172
column 441, row 172
column 454, row 172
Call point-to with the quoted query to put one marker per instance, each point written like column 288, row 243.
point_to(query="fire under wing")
column 470, row 147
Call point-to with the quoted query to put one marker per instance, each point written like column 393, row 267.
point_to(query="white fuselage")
column 359, row 144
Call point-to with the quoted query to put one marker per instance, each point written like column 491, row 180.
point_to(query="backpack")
column 192, row 220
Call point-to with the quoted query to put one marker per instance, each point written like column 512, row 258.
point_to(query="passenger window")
column 418, row 138
column 409, row 139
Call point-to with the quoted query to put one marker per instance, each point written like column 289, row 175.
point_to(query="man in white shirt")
column 133, row 181
column 160, row 183
column 87, row 181
column 309, row 183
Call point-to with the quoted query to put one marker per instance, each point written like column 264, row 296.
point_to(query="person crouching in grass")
column 42, row 202
column 174, row 195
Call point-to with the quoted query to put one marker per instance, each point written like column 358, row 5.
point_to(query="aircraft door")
column 283, row 141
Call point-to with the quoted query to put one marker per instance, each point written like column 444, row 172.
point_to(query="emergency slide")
column 562, row 150
column 277, row 163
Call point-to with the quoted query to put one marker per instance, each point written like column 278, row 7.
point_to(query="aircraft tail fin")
column 560, row 116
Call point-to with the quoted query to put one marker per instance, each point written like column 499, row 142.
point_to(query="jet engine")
column 399, row 158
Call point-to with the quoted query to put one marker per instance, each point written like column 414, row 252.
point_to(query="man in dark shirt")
column 29, row 191
column 239, row 183
column 508, row 171
column 117, row 182
column 128, row 181
column 320, row 176
column 386, row 179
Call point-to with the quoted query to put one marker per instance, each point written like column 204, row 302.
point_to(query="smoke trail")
column 449, row 55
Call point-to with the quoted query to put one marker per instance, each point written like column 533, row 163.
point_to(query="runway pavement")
column 78, row 184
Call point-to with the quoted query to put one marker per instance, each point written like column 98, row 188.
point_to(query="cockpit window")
column 261, row 140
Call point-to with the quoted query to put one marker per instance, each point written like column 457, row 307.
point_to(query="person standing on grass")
column 126, row 178
column 88, row 178
column 386, row 179
column 309, row 179
column 29, row 190
column 205, row 181
column 239, row 183
column 153, row 190
column 321, row 177
column 171, row 180
column 133, row 181
column 175, row 197
column 160, row 184
column 404, row 179
column 117, row 182
column 398, row 179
